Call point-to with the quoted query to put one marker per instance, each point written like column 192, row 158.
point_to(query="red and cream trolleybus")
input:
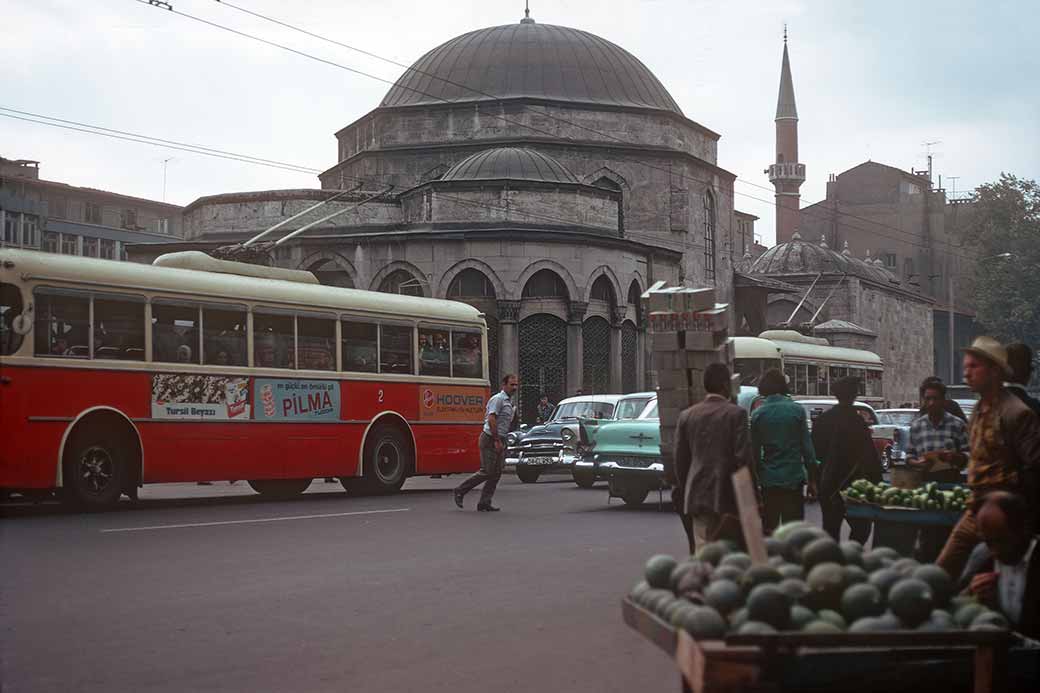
column 115, row 374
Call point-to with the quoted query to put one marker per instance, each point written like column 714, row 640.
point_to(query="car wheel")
column 94, row 472
column 584, row 478
column 526, row 474
column 279, row 488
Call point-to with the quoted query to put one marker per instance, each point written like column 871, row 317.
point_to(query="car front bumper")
column 555, row 462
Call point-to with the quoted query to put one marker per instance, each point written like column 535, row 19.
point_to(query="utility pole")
column 164, row 162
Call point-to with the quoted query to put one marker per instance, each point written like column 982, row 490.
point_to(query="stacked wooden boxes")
column 688, row 331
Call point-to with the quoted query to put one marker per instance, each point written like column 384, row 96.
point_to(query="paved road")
column 211, row 588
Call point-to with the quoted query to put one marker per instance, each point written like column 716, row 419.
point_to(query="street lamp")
column 949, row 273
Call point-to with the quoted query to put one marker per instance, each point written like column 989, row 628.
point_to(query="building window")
column 50, row 242
column 128, row 219
column 162, row 226
column 57, row 208
column 91, row 213
column 908, row 267
column 889, row 259
column 30, row 231
column 545, row 284
column 709, row 236
column 11, row 228
column 90, row 247
column 107, row 249
column 69, row 244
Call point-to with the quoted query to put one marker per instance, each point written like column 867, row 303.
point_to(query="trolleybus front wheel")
column 94, row 471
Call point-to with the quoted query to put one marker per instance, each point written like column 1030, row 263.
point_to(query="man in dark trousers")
column 842, row 442
column 1020, row 359
column 497, row 420
column 711, row 442
column 1006, row 575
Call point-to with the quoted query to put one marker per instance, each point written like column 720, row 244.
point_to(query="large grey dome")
column 510, row 163
column 530, row 60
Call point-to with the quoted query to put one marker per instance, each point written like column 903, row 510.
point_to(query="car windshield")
column 650, row 412
column 630, row 407
column 896, row 418
column 588, row 410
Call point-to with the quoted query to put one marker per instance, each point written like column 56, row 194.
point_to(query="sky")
column 873, row 80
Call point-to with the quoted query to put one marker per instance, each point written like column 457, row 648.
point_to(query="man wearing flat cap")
column 1004, row 437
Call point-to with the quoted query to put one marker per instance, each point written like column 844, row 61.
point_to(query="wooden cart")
column 980, row 661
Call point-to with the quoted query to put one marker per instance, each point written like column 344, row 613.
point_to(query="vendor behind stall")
column 938, row 439
column 1007, row 575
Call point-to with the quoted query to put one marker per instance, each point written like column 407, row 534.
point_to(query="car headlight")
column 567, row 435
column 512, row 439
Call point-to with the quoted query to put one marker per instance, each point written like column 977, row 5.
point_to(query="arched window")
column 401, row 282
column 330, row 274
column 545, row 284
column 471, row 283
column 602, row 290
column 608, row 183
column 709, row 236
column 635, row 295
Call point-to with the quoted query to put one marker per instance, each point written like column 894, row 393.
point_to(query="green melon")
column 785, row 530
column 905, row 566
column 962, row 600
column 991, row 618
column 939, row 620
column 890, row 621
column 818, row 626
column 799, row 539
column 774, row 547
column 794, row 588
column 822, row 550
column 826, row 585
column 853, row 551
column 694, row 578
column 638, row 589
column 855, row 574
column 712, row 553
column 868, row 625
column 769, row 604
column 703, row 623
column 861, row 601
column 724, row 596
column 658, row 571
column 801, row 616
column 833, row 617
column 967, row 613
column 938, row 579
column 878, row 558
column 759, row 575
column 884, row 579
column 727, row 572
column 756, row 628
column 669, row 610
column 680, row 612
column 776, row 561
column 738, row 618
column 738, row 560
column 911, row 600
column 654, row 597
column 791, row 570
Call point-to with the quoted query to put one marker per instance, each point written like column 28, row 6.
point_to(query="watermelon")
column 658, row 571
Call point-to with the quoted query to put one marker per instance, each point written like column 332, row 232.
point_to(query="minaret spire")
column 527, row 13
column 786, row 173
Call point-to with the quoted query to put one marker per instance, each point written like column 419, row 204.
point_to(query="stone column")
column 508, row 340
column 618, row 317
column 642, row 345
column 575, row 346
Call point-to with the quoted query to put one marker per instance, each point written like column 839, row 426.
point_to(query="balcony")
column 786, row 172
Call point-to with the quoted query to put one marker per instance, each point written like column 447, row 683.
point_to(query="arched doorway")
column 401, row 282
column 473, row 287
column 629, row 345
column 543, row 362
column 596, row 355
column 331, row 274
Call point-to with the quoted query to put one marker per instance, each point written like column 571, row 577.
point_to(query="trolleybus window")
column 466, row 355
column 224, row 335
column 316, row 343
column 175, row 332
column 273, row 343
column 10, row 308
column 62, row 324
column 434, row 352
column 360, row 346
column 119, row 330
column 395, row 349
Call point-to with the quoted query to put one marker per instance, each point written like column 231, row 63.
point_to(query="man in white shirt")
column 497, row 420
column 1010, row 581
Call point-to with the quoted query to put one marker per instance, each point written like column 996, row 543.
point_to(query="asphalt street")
column 210, row 588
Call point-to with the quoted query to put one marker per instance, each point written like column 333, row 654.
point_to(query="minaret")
column 786, row 174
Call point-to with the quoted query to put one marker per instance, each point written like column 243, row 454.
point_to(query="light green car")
column 626, row 454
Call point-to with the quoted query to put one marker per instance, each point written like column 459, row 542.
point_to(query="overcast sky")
column 873, row 80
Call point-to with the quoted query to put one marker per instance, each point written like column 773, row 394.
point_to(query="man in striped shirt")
column 938, row 439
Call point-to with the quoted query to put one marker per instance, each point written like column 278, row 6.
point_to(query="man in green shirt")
column 783, row 451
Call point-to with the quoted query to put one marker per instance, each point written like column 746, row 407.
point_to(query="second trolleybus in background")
column 115, row 374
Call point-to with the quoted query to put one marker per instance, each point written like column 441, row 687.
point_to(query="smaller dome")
column 800, row 257
column 510, row 163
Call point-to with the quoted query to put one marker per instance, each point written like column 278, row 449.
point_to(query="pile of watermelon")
column 810, row 584
column 927, row 497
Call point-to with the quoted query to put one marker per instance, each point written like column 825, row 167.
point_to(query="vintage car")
column 624, row 453
column 540, row 449
column 892, row 432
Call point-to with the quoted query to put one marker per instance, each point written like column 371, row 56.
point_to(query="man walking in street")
column 782, row 451
column 711, row 443
column 1004, row 436
column 497, row 419
column 1020, row 359
column 843, row 445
